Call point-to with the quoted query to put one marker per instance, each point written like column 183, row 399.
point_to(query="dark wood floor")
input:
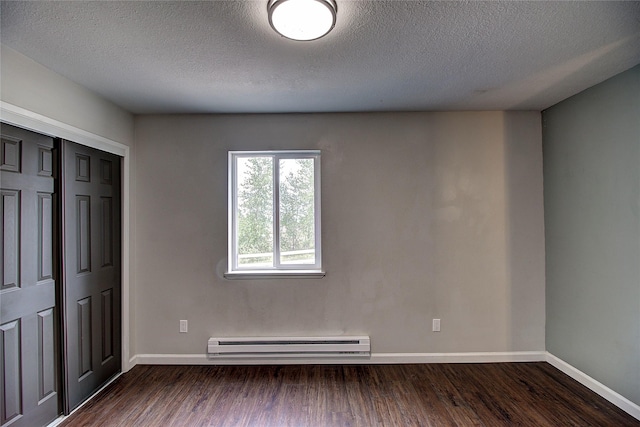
column 501, row 394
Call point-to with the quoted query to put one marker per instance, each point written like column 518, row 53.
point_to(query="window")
column 274, row 214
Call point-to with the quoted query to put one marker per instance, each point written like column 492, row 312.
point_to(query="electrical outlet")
column 436, row 325
column 184, row 326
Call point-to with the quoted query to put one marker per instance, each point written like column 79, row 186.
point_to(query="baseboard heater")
column 249, row 347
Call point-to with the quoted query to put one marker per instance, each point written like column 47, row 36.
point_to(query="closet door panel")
column 92, row 270
column 28, row 317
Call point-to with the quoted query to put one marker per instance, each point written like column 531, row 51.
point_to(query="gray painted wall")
column 29, row 85
column 592, row 205
column 425, row 215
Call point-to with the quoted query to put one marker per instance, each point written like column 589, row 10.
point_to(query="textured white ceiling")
column 222, row 56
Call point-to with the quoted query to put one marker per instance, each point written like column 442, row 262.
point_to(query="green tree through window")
column 255, row 207
column 297, row 220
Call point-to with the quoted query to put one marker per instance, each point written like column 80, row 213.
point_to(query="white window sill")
column 269, row 274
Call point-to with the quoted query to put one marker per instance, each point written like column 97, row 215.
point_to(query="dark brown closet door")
column 91, row 280
column 28, row 317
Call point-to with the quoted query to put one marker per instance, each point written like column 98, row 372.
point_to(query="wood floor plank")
column 501, row 394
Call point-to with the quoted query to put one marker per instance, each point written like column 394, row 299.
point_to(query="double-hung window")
column 274, row 214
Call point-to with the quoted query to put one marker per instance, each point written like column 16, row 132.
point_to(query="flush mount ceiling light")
column 302, row 19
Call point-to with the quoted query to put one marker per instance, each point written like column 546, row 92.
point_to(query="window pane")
column 297, row 222
column 255, row 211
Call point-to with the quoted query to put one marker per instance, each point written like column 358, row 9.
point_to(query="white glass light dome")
column 302, row 19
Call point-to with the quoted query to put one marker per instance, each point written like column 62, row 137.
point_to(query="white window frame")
column 278, row 270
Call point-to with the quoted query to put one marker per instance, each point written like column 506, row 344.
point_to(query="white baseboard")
column 468, row 357
column 595, row 386
column 375, row 359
